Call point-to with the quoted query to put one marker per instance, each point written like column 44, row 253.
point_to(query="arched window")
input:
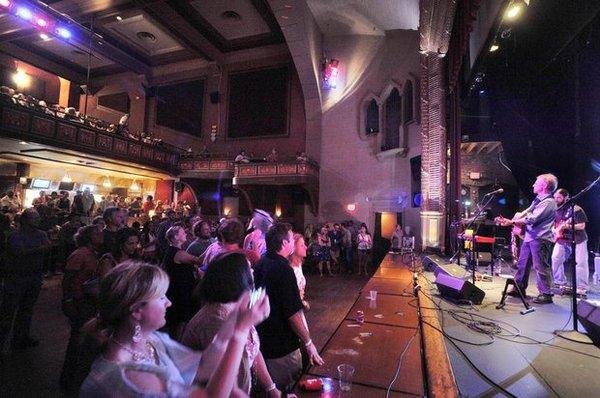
column 408, row 102
column 392, row 120
column 372, row 119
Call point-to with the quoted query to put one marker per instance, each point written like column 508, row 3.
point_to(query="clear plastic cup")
column 345, row 375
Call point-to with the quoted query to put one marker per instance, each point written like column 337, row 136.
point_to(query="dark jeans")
column 539, row 252
column 19, row 294
column 349, row 258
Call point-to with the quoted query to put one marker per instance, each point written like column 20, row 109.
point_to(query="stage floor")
column 524, row 367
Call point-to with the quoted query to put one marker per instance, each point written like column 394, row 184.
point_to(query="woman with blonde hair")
column 136, row 360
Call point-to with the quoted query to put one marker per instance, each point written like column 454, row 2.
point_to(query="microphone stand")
column 575, row 335
column 477, row 214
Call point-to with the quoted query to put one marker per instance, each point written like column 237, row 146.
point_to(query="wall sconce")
column 351, row 206
column 330, row 73
column 278, row 211
column 226, row 211
column 67, row 178
column 23, row 180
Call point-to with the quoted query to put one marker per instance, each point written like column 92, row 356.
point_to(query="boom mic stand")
column 575, row 335
column 477, row 214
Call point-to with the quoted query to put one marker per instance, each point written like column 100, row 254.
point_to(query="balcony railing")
column 26, row 123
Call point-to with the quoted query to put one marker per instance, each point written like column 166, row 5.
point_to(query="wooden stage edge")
column 440, row 378
column 426, row 369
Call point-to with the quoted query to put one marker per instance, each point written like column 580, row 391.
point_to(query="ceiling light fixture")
column 135, row 187
column 515, row 8
column 106, row 183
column 64, row 33
column 44, row 37
column 119, row 18
column 494, row 47
column 67, row 178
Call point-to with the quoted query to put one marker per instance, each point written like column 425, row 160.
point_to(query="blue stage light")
column 502, row 201
column 64, row 33
column 24, row 13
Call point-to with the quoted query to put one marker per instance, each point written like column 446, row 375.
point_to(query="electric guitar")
column 558, row 229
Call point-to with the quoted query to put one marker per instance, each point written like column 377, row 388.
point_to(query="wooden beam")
column 179, row 28
column 41, row 62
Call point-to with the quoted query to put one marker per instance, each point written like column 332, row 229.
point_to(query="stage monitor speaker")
column 214, row 97
column 458, row 290
column 588, row 314
column 439, row 265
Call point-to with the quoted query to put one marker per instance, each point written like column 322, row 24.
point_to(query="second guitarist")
column 562, row 248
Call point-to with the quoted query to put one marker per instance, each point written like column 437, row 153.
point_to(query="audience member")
column 281, row 331
column 324, row 253
column 10, row 201
column 203, row 239
column 296, row 260
column 148, row 204
column 259, row 224
column 148, row 240
column 335, row 239
column 113, row 220
column 125, row 248
column 227, row 278
column 80, row 292
column 365, row 244
column 184, row 274
column 242, row 157
column 137, row 360
column 22, row 279
column 347, row 248
column 161, row 233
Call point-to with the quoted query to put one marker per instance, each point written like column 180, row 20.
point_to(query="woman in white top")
column 365, row 244
column 138, row 361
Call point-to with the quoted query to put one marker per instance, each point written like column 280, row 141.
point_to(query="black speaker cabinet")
column 457, row 289
column 589, row 315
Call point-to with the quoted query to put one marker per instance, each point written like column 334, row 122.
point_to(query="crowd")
column 160, row 303
column 12, row 96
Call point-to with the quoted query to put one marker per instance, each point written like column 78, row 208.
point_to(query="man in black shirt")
column 281, row 333
column 563, row 235
column 113, row 219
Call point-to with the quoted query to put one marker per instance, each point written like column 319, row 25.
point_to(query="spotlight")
column 119, row 18
column 494, row 47
column 515, row 8
column 41, row 22
column 44, row 37
column 24, row 13
column 64, row 33
column 5, row 3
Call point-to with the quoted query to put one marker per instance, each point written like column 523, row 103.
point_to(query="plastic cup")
column 373, row 294
column 345, row 375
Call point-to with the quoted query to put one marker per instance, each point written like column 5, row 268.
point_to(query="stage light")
column 41, row 22
column 119, row 18
column 44, row 37
column 515, row 8
column 64, row 33
column 330, row 73
column 24, row 13
column 23, row 143
column 278, row 211
column 5, row 3
column 351, row 206
column 494, row 47
column 21, row 79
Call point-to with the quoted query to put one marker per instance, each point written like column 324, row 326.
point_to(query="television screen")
column 66, row 186
column 37, row 183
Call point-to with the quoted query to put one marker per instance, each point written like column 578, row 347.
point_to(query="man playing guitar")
column 563, row 236
column 537, row 220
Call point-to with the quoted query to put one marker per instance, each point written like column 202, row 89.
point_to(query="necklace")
column 138, row 356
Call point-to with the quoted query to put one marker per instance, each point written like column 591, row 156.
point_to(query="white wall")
column 350, row 171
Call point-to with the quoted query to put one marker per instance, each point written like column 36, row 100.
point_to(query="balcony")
column 209, row 166
column 30, row 124
column 287, row 172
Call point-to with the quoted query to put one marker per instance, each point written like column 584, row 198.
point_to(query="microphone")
column 494, row 192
